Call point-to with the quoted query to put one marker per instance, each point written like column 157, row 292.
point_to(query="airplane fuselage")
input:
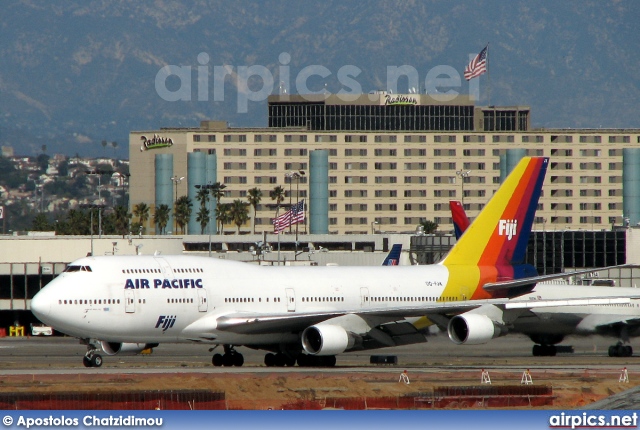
column 158, row 299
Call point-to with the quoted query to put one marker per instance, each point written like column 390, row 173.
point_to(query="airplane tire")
column 536, row 350
column 96, row 360
column 329, row 360
column 86, row 361
column 216, row 360
column 280, row 360
column 612, row 351
column 629, row 351
column 238, row 359
column 270, row 359
column 303, row 360
column 227, row 360
column 289, row 361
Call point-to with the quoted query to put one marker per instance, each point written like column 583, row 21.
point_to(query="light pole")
column 208, row 187
column 462, row 174
column 176, row 180
column 91, row 208
column 295, row 175
column 99, row 173
column 372, row 224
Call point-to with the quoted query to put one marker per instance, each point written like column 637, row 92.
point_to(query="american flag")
column 294, row 215
column 477, row 66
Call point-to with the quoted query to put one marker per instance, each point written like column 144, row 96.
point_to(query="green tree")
column 429, row 226
column 239, row 213
column 43, row 162
column 63, row 168
column 202, row 217
column 121, row 219
column 41, row 223
column 254, row 196
column 223, row 215
column 217, row 192
column 277, row 194
column 161, row 217
column 141, row 210
column 182, row 211
column 203, row 197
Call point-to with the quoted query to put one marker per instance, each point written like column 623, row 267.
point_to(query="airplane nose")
column 40, row 305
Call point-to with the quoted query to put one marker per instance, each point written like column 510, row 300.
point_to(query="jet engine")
column 114, row 348
column 474, row 329
column 325, row 339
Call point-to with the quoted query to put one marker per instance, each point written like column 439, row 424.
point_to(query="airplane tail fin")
column 496, row 242
column 393, row 257
column 460, row 220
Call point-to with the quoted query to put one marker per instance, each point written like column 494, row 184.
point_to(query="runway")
column 62, row 355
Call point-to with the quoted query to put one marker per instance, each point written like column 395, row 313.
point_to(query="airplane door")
column 364, row 296
column 291, row 300
column 202, row 300
column 129, row 301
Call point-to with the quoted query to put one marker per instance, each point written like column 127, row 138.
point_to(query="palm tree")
column 254, row 196
column 121, row 220
column 223, row 216
column 202, row 217
column 429, row 226
column 141, row 210
column 277, row 194
column 161, row 217
column 239, row 213
column 203, row 197
column 217, row 192
column 182, row 211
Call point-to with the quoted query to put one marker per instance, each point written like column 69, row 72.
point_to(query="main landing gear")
column 620, row 350
column 91, row 358
column 544, row 350
column 304, row 360
column 231, row 357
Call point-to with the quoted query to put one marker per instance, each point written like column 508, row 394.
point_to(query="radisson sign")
column 399, row 99
column 155, row 142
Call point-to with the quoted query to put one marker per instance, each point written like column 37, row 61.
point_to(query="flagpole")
column 488, row 77
column 277, row 231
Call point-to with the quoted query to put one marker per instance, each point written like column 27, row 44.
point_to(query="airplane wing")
column 513, row 283
column 252, row 323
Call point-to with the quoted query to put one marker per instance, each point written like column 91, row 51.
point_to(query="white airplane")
column 547, row 327
column 301, row 314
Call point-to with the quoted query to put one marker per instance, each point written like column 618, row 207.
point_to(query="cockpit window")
column 73, row 268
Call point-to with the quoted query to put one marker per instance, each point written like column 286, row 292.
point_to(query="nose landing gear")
column 91, row 358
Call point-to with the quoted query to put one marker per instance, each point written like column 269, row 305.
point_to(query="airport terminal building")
column 384, row 162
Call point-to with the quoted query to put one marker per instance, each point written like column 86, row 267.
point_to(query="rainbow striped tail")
column 493, row 248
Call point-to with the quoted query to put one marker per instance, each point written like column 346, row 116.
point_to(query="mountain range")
column 75, row 73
